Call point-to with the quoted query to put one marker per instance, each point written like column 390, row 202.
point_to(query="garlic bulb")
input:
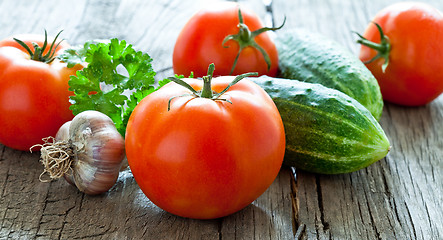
column 95, row 149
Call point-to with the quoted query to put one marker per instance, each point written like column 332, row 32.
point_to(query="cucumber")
column 326, row 131
column 312, row 57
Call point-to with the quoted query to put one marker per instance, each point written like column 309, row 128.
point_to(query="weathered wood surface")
column 399, row 197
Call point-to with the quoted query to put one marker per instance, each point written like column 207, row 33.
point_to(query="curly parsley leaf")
column 102, row 86
column 77, row 54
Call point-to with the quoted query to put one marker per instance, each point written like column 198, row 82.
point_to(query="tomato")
column 205, row 158
column 200, row 43
column 34, row 96
column 414, row 49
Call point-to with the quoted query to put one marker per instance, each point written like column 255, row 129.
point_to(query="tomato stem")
column 37, row 54
column 246, row 38
column 244, row 32
column 207, row 91
column 383, row 48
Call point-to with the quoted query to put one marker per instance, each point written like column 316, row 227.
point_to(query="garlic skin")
column 63, row 132
column 98, row 151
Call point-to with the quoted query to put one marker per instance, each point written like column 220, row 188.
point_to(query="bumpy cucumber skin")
column 311, row 57
column 326, row 131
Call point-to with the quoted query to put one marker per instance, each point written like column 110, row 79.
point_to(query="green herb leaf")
column 77, row 54
column 115, row 80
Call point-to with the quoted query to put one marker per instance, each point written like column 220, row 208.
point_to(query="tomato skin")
column 415, row 31
column 34, row 96
column 205, row 159
column 200, row 43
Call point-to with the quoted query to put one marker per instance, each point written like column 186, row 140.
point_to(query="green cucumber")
column 326, row 130
column 312, row 57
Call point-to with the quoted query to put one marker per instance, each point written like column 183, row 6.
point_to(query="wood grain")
column 399, row 197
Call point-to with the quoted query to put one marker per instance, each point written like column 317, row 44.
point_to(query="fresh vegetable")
column 232, row 38
column 403, row 49
column 326, row 130
column 34, row 95
column 114, row 71
column 87, row 151
column 208, row 149
column 312, row 57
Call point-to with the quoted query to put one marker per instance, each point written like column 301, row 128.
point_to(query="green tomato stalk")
column 383, row 48
column 207, row 91
column 245, row 38
column 37, row 54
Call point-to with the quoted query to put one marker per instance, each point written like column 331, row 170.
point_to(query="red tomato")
column 413, row 75
column 200, row 43
column 205, row 158
column 34, row 96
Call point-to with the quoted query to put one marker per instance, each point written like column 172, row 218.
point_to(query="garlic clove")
column 93, row 152
column 98, row 149
column 63, row 132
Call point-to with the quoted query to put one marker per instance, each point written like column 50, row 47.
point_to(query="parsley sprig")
column 104, row 68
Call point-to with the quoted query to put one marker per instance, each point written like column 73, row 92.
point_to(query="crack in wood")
column 387, row 190
column 5, row 219
column 81, row 202
column 103, row 234
column 64, row 221
column 40, row 221
column 428, row 216
column 6, row 181
column 371, row 217
column 300, row 234
column 324, row 223
column 410, row 219
column 3, row 153
column 219, row 228
column 162, row 70
column 295, row 206
column 397, row 216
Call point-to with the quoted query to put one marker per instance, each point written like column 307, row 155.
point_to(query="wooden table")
column 399, row 197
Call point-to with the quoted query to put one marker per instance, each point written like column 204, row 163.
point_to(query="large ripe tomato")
column 414, row 48
column 200, row 43
column 205, row 158
column 34, row 96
